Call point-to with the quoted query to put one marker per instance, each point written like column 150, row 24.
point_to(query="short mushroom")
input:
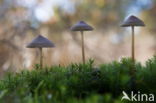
column 40, row 42
column 82, row 26
column 133, row 21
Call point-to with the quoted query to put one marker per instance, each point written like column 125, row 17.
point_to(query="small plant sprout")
column 133, row 21
column 40, row 42
column 82, row 26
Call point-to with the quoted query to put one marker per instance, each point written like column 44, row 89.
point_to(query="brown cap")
column 81, row 26
column 132, row 21
column 40, row 42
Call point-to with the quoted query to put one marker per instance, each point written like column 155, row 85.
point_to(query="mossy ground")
column 78, row 83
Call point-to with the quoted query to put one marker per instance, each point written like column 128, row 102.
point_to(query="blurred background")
column 22, row 20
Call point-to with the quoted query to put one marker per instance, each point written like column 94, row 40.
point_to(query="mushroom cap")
column 132, row 21
column 81, row 26
column 40, row 42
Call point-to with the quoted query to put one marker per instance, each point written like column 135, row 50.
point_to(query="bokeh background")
column 23, row 20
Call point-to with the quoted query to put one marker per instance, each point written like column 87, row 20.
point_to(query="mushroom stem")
column 41, row 58
column 133, row 85
column 133, row 52
column 133, row 43
column 83, row 52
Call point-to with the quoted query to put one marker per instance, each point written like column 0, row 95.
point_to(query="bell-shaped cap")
column 40, row 42
column 81, row 26
column 132, row 21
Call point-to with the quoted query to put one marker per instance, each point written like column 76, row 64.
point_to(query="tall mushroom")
column 40, row 42
column 82, row 26
column 133, row 21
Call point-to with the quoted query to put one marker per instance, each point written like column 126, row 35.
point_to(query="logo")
column 125, row 96
column 137, row 97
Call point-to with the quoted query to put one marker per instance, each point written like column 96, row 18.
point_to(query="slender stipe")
column 83, row 51
column 133, row 44
column 41, row 58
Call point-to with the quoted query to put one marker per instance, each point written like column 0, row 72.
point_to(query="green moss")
column 78, row 83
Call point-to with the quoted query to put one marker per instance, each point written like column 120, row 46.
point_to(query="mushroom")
column 133, row 21
column 82, row 26
column 40, row 42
